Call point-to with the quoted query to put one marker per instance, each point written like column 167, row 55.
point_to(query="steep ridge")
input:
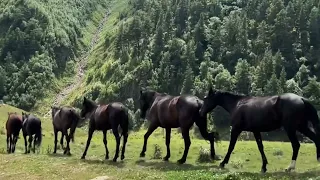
column 80, row 70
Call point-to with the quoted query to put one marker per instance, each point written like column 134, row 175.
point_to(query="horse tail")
column 124, row 123
column 312, row 115
column 75, row 120
column 39, row 137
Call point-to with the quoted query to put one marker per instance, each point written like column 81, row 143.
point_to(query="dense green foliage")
column 38, row 38
column 254, row 47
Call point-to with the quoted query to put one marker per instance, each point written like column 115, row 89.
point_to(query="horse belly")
column 262, row 123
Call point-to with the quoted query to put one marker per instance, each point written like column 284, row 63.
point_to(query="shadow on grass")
column 59, row 155
column 281, row 175
column 119, row 164
column 172, row 166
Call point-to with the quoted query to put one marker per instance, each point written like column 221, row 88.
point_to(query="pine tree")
column 282, row 81
column 187, row 85
column 314, row 28
column 273, row 86
column 243, row 77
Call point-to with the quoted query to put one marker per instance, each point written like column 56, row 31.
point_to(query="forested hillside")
column 254, row 47
column 38, row 38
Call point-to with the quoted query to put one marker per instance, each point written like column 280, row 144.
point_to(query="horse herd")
column 248, row 113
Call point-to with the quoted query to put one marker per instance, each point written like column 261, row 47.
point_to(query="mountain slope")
column 186, row 46
column 38, row 40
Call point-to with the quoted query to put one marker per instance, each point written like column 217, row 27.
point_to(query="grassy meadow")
column 244, row 163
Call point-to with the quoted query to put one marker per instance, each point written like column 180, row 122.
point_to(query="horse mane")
column 228, row 93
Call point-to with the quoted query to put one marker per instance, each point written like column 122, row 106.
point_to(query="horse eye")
column 205, row 97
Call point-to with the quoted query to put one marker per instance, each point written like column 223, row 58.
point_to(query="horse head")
column 210, row 102
column 146, row 99
column 25, row 116
column 87, row 107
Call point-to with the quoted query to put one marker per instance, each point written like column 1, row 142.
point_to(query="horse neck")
column 230, row 101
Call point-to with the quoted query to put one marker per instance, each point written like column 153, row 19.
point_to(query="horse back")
column 32, row 125
column 63, row 118
column 291, row 107
column 14, row 123
column 106, row 116
column 256, row 114
column 163, row 111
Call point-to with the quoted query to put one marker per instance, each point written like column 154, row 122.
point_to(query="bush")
column 204, row 155
column 157, row 152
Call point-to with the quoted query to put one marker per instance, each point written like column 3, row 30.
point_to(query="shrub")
column 204, row 155
column 157, row 152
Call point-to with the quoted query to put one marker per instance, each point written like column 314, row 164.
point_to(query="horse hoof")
column 122, row 157
column 166, row 158
column 221, row 165
column 107, row 157
column 318, row 159
column 142, row 154
column 114, row 160
column 263, row 170
column 83, row 157
column 289, row 169
column 181, row 161
column 216, row 157
column 68, row 153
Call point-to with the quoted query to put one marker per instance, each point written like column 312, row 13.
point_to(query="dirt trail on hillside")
column 81, row 65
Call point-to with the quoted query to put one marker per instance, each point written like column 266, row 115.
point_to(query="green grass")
column 244, row 163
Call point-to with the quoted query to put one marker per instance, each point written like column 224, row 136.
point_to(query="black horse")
column 173, row 112
column 264, row 114
column 103, row 118
column 31, row 125
column 64, row 118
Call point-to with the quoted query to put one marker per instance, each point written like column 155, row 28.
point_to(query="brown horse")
column 64, row 118
column 103, row 118
column 173, row 112
column 13, row 126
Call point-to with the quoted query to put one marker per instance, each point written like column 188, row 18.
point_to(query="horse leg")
column 151, row 128
column 234, row 136
column 55, row 141
column 34, row 144
column 125, row 139
column 105, row 144
column 67, row 149
column 90, row 133
column 8, row 144
column 116, row 135
column 168, row 134
column 25, row 143
column 187, row 143
column 15, row 139
column 295, row 147
column 258, row 138
column 30, row 142
column 11, row 143
column 61, row 141
column 311, row 135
